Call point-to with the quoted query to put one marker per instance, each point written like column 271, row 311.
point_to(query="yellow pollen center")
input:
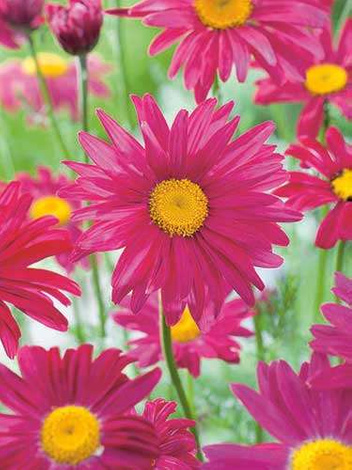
column 186, row 329
column 223, row 14
column 51, row 65
column 342, row 185
column 178, row 207
column 324, row 454
column 51, row 205
column 325, row 78
column 70, row 434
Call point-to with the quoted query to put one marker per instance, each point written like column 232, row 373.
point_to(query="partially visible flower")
column 8, row 37
column 19, row 85
column 322, row 80
column 177, row 447
column 30, row 290
column 331, row 187
column 21, row 15
column 313, row 427
column 76, row 26
column 190, row 344
column 72, row 412
column 336, row 338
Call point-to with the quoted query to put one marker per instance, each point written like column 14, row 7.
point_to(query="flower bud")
column 24, row 15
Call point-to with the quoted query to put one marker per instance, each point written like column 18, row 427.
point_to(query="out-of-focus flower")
column 177, row 445
column 190, row 208
column 72, row 412
column 190, row 344
column 322, row 80
column 312, row 427
column 336, row 338
column 76, row 26
column 8, row 37
column 30, row 290
column 332, row 185
column 24, row 15
column 216, row 35
column 19, row 85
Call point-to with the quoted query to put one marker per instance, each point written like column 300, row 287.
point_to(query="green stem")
column 79, row 330
column 8, row 157
column 98, row 295
column 259, row 434
column 319, row 297
column 216, row 89
column 83, row 91
column 43, row 86
column 340, row 255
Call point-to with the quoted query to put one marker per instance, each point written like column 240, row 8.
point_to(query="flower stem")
column 79, row 330
column 43, row 86
column 259, row 434
column 98, row 295
column 319, row 297
column 175, row 377
column 340, row 256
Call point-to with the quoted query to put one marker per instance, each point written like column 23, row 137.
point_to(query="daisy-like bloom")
column 30, row 290
column 190, row 344
column 19, row 84
column 331, row 187
column 336, row 338
column 217, row 35
column 44, row 189
column 189, row 208
column 313, row 427
column 74, row 412
column 321, row 80
column 177, row 447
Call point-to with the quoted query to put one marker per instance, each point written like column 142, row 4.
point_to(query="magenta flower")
column 336, row 338
column 215, row 35
column 30, row 290
column 190, row 344
column 313, row 427
column 73, row 412
column 8, row 37
column 322, row 80
column 332, row 185
column 76, row 26
column 190, row 208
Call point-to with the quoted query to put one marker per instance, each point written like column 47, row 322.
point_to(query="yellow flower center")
column 325, row 78
column 223, row 14
column 51, row 205
column 51, row 65
column 178, row 207
column 70, row 434
column 342, row 185
column 324, row 454
column 186, row 329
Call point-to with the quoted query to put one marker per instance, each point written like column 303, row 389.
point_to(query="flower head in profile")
column 216, row 36
column 189, row 208
column 190, row 343
column 19, row 85
column 74, row 412
column 330, row 186
column 321, row 81
column 312, row 428
column 30, row 290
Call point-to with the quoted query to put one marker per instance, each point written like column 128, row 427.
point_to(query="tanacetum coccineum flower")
column 322, row 80
column 30, row 290
column 190, row 344
column 19, row 85
column 332, row 185
column 189, row 208
column 74, row 412
column 313, row 427
column 336, row 338
column 216, row 35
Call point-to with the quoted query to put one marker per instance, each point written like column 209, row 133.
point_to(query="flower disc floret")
column 223, row 14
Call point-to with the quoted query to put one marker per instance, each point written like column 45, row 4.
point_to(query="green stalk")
column 98, row 295
column 79, row 330
column 323, row 258
column 340, row 256
column 259, row 434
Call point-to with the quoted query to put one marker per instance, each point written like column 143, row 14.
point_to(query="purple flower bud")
column 22, row 14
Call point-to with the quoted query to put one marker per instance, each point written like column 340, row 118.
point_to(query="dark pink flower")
column 71, row 412
column 30, row 290
column 8, row 37
column 190, row 344
column 331, row 186
column 22, row 15
column 76, row 26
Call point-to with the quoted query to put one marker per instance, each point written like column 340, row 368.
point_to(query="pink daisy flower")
column 19, row 84
column 190, row 344
column 313, row 428
column 189, row 208
column 30, row 290
column 43, row 190
column 322, row 80
column 336, row 338
column 332, row 185
column 177, row 447
column 73, row 412
column 215, row 35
